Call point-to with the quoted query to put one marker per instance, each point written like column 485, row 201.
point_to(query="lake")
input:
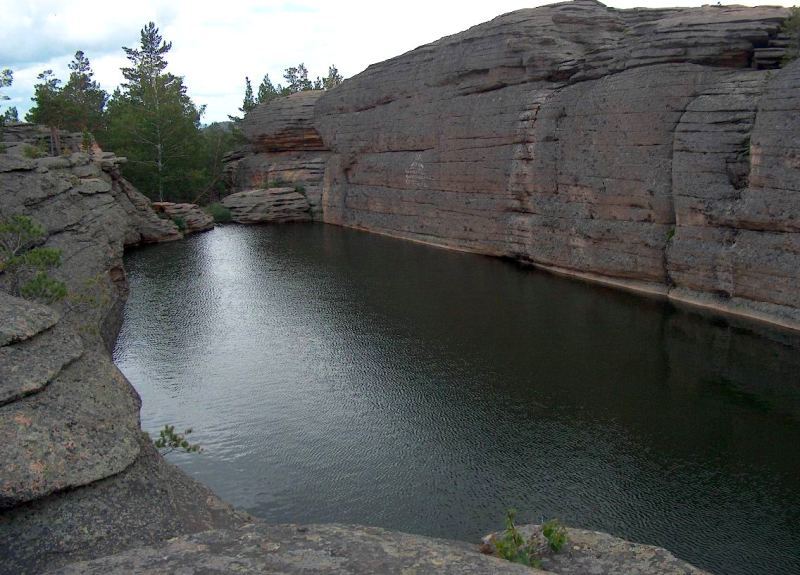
column 332, row 375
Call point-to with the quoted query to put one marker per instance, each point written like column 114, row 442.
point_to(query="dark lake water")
column 338, row 376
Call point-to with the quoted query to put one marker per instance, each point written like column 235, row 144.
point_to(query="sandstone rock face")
column 648, row 149
column 285, row 147
column 71, row 448
column 193, row 215
column 272, row 205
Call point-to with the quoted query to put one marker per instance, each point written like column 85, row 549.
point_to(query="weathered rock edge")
column 650, row 150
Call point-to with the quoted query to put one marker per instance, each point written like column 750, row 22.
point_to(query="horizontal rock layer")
column 272, row 205
column 647, row 149
column 192, row 215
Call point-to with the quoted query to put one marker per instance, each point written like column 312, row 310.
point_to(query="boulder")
column 193, row 216
column 272, row 205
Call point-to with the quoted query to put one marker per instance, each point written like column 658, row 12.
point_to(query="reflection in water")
column 333, row 375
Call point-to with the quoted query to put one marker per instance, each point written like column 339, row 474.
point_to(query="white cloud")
column 217, row 44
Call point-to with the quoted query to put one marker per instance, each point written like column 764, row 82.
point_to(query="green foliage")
column 6, row 79
column 169, row 441
column 153, row 122
column 180, row 222
column 24, row 264
column 556, row 535
column 300, row 188
column 511, row 545
column 333, row 79
column 297, row 79
column 266, row 91
column 44, row 288
column 671, row 233
column 220, row 213
column 218, row 139
column 791, row 27
column 78, row 106
column 32, row 152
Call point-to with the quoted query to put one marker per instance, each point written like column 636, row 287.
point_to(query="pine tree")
column 297, row 78
column 153, row 122
column 49, row 107
column 85, row 100
column 333, row 79
column 6, row 79
column 266, row 91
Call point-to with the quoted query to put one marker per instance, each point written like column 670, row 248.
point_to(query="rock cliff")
column 655, row 150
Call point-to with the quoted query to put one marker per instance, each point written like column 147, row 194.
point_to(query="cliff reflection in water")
column 333, row 375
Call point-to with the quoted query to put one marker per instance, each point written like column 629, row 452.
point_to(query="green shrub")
column 32, row 152
column 220, row 213
column 24, row 264
column 43, row 288
column 555, row 533
column 169, row 441
column 180, row 222
column 511, row 545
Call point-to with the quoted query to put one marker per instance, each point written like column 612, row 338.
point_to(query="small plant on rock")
column 180, row 222
column 169, row 440
column 511, row 545
column 24, row 264
column 32, row 152
column 556, row 534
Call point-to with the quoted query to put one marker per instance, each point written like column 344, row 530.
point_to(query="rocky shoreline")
column 82, row 489
column 507, row 140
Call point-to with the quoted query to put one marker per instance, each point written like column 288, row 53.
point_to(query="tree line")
column 150, row 118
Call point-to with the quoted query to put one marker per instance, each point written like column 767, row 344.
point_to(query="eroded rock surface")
column 259, row 548
column 592, row 552
column 272, row 205
column 648, row 149
column 193, row 216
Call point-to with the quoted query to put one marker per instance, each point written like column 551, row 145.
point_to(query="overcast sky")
column 216, row 44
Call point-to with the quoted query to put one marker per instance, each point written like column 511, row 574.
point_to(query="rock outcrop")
column 648, row 149
column 192, row 215
column 595, row 552
column 76, row 475
column 285, row 149
column 272, row 205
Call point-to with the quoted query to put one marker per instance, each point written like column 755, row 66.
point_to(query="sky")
column 216, row 44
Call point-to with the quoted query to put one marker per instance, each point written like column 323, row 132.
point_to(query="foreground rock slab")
column 596, row 553
column 294, row 549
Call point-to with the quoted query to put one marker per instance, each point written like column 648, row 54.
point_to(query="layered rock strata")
column 192, row 216
column 272, row 205
column 647, row 149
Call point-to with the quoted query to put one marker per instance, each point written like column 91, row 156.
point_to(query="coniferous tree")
column 153, row 122
column 297, row 80
column 333, row 79
column 266, row 91
column 49, row 107
column 6, row 79
column 249, row 101
column 85, row 101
